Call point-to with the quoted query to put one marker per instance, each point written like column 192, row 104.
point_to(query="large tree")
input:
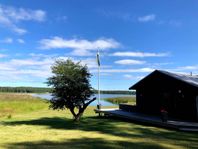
column 71, row 87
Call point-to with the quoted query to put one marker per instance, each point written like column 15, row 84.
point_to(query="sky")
column 134, row 38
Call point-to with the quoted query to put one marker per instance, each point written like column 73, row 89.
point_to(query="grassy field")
column 38, row 127
column 117, row 100
column 13, row 103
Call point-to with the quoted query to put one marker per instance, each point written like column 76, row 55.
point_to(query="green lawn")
column 39, row 127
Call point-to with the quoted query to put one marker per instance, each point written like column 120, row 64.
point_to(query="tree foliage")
column 71, row 87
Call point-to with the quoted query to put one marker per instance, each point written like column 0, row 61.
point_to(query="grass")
column 13, row 103
column 43, row 128
column 117, row 100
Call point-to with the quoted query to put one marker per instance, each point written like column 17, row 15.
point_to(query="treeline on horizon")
column 49, row 90
column 115, row 92
column 25, row 89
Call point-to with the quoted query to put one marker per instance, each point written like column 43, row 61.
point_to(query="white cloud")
column 140, row 54
column 30, row 62
column 91, row 63
column 34, row 72
column 26, row 69
column 193, row 67
column 36, row 67
column 7, row 40
column 139, row 70
column 3, row 55
column 147, row 18
column 18, row 30
column 128, row 76
column 81, row 52
column 129, row 62
column 5, row 66
column 26, row 14
column 187, row 69
column 20, row 41
column 161, row 64
column 11, row 16
column 41, row 56
column 81, row 47
column 83, row 44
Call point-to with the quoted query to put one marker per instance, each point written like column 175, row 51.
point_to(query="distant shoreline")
column 41, row 90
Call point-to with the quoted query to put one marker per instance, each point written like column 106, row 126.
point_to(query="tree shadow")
column 85, row 143
column 99, row 124
column 112, row 127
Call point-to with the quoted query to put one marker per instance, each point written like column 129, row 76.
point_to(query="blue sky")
column 134, row 38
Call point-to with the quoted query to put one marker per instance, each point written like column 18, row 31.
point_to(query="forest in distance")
column 49, row 90
column 25, row 89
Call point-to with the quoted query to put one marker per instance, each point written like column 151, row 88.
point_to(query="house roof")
column 189, row 79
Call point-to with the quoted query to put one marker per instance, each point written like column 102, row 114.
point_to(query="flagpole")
column 99, row 85
column 99, row 106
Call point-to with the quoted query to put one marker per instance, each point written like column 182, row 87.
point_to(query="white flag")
column 98, row 59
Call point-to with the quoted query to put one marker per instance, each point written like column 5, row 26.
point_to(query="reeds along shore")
column 117, row 100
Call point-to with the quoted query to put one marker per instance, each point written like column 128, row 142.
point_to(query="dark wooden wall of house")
column 177, row 97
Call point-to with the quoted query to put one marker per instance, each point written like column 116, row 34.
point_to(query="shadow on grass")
column 114, row 127
column 84, row 143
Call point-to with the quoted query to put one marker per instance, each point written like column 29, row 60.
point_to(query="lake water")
column 94, row 103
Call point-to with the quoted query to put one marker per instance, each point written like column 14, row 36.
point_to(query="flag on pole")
column 98, row 58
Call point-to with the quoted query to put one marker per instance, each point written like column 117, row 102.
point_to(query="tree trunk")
column 72, row 111
column 81, row 110
column 78, row 116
